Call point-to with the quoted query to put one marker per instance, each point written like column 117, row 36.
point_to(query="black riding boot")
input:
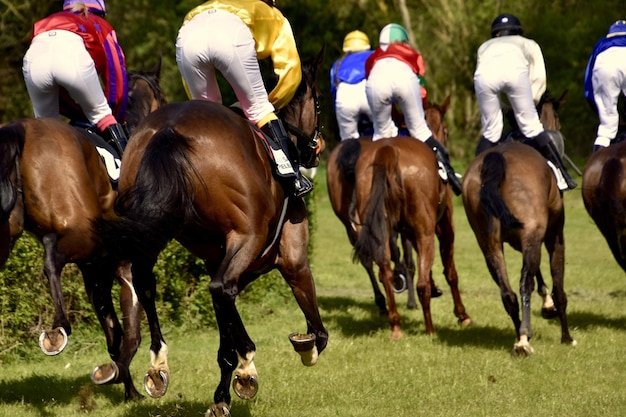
column 483, row 145
column 442, row 156
column 301, row 184
column 549, row 151
column 117, row 137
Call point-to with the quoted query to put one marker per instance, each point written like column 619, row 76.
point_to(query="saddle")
column 111, row 159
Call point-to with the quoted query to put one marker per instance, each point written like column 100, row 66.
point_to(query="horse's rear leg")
column 556, row 251
column 52, row 342
column 379, row 298
column 548, row 310
column 497, row 269
column 156, row 380
column 445, row 235
column 122, row 344
column 426, row 256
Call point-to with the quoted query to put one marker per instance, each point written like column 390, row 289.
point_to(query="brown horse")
column 198, row 172
column 397, row 189
column 340, row 178
column 511, row 196
column 53, row 185
column 604, row 194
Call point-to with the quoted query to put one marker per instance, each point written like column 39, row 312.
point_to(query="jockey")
column 605, row 79
column 393, row 74
column 230, row 36
column 513, row 65
column 69, row 52
column 347, row 85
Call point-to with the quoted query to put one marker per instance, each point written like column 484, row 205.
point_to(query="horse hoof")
column 245, row 388
column 156, row 382
column 52, row 342
column 399, row 283
column 549, row 313
column 522, row 350
column 435, row 292
column 105, row 374
column 465, row 322
column 304, row 344
column 218, row 410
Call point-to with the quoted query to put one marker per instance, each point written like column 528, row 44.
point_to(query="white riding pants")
column 609, row 79
column 390, row 80
column 58, row 58
column 218, row 40
column 350, row 104
column 494, row 80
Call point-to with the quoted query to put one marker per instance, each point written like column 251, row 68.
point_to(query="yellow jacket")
column 274, row 38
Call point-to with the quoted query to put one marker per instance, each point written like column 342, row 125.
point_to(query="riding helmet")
column 617, row 29
column 94, row 6
column 393, row 33
column 506, row 24
column 356, row 41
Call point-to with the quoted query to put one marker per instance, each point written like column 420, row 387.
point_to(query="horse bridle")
column 312, row 142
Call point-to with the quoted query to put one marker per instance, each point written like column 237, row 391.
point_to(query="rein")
column 302, row 136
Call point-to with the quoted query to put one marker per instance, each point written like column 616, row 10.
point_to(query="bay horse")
column 397, row 189
column 53, row 185
column 198, row 172
column 340, row 179
column 510, row 195
column 604, row 195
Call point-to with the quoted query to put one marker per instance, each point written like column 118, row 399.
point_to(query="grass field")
column 458, row 372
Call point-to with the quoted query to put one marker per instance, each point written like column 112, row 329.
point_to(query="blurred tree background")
column 446, row 32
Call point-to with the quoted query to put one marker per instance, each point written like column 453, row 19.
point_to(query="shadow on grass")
column 45, row 393
column 587, row 320
column 353, row 317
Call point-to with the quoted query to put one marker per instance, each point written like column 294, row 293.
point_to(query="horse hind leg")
column 53, row 341
column 548, row 310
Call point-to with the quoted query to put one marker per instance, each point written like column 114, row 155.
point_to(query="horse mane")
column 140, row 100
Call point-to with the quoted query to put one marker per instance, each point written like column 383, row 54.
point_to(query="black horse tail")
column 159, row 202
column 382, row 211
column 11, row 145
column 347, row 156
column 491, row 176
column 608, row 189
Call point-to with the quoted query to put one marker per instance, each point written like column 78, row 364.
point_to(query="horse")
column 396, row 189
column 198, row 172
column 341, row 180
column 53, row 184
column 604, row 194
column 511, row 196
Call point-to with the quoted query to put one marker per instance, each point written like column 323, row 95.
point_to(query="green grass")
column 466, row 372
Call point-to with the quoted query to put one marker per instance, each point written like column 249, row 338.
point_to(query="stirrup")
column 302, row 186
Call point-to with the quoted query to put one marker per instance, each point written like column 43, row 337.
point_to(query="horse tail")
column 346, row 160
column 492, row 175
column 11, row 144
column 159, row 202
column 382, row 207
column 609, row 188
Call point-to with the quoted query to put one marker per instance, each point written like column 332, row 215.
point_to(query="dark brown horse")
column 604, row 195
column 340, row 178
column 511, row 196
column 198, row 172
column 397, row 189
column 53, row 185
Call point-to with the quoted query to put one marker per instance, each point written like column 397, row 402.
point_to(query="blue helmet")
column 94, row 6
column 617, row 29
column 506, row 24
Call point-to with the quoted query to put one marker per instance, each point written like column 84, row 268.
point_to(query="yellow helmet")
column 356, row 41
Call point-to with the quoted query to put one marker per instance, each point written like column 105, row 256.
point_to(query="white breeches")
column 392, row 80
column 350, row 104
column 489, row 84
column 218, row 40
column 609, row 79
column 58, row 58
